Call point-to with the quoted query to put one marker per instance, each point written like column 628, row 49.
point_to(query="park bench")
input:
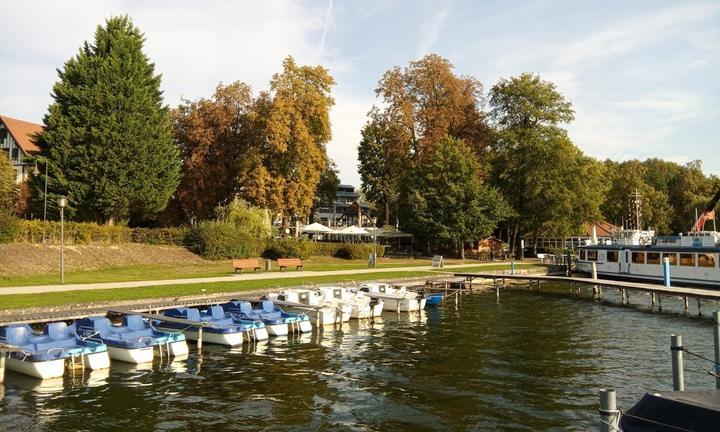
column 290, row 262
column 250, row 263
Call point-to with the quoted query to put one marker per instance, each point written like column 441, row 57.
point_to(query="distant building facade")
column 16, row 139
column 346, row 210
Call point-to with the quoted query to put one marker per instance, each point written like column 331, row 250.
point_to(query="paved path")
column 38, row 289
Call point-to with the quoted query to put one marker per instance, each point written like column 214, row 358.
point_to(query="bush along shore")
column 214, row 240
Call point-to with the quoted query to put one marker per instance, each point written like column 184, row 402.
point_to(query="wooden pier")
column 598, row 285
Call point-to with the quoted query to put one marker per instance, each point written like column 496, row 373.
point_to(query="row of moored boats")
column 90, row 343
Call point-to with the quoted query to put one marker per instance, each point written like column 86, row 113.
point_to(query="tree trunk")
column 535, row 242
column 462, row 249
column 387, row 213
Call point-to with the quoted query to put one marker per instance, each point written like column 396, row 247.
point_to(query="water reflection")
column 531, row 362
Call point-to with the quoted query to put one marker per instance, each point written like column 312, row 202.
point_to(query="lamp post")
column 62, row 202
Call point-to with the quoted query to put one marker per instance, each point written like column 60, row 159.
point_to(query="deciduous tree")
column 7, row 182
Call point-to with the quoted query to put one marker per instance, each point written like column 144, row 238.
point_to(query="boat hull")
column 136, row 356
column 179, row 348
column 227, row 339
column 98, row 360
column 403, row 304
column 277, row 329
column 260, row 334
column 43, row 370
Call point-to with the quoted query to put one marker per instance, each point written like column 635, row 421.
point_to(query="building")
column 16, row 138
column 346, row 209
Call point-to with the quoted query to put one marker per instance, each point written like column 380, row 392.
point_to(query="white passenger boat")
column 395, row 299
column 313, row 304
column 363, row 306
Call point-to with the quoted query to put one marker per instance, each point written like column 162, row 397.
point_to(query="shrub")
column 160, row 236
column 9, row 227
column 288, row 247
column 220, row 240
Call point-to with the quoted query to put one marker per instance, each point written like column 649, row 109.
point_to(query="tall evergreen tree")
column 108, row 135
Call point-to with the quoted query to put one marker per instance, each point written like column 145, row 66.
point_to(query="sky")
column 642, row 75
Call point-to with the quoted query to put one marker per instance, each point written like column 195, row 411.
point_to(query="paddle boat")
column 314, row 304
column 45, row 355
column 134, row 341
column 276, row 321
column 218, row 328
column 396, row 299
column 362, row 305
column 253, row 325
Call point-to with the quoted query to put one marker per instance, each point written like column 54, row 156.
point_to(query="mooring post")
column 685, row 302
column 699, row 307
column 716, row 339
column 666, row 271
column 2, row 366
column 659, row 300
column 677, row 363
column 609, row 414
column 594, row 270
column 652, row 299
column 627, row 296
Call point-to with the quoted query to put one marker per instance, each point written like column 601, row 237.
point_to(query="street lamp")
column 374, row 221
column 62, row 202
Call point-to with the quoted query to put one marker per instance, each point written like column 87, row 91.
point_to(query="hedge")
column 221, row 240
column 37, row 231
column 303, row 248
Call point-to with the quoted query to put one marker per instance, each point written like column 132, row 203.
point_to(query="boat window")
column 638, row 257
column 687, row 259
column 612, row 256
column 381, row 288
column 303, row 297
column 706, row 260
column 337, row 293
column 592, row 255
column 281, row 297
column 653, row 258
column 364, row 289
column 672, row 258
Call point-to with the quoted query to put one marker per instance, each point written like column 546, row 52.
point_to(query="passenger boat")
column 134, row 341
column 275, row 321
column 362, row 306
column 395, row 299
column 313, row 304
column 45, row 355
column 639, row 255
column 218, row 328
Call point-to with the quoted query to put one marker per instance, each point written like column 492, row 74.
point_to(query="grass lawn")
column 192, row 270
column 122, row 294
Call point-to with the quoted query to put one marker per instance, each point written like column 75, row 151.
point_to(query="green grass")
column 193, row 270
column 164, row 291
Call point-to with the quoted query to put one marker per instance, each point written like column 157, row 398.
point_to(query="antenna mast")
column 634, row 202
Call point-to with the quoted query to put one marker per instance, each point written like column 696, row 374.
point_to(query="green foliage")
column 7, row 182
column 289, row 247
column 446, row 199
column 159, row 236
column 221, row 240
column 107, row 135
column 249, row 220
column 327, row 187
column 9, row 227
column 37, row 231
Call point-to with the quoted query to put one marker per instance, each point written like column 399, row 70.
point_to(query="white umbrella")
column 317, row 228
column 352, row 230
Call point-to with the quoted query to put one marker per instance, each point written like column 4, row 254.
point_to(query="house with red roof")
column 17, row 139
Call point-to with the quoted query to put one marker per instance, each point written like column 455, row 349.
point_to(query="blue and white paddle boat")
column 277, row 322
column 134, row 341
column 217, row 329
column 44, row 355
column 254, row 328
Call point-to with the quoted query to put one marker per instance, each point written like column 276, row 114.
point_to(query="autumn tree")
column 107, row 135
column 7, row 182
column 550, row 184
column 297, row 130
column 447, row 200
column 421, row 104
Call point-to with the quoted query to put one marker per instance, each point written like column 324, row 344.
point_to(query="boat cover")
column 672, row 411
column 222, row 325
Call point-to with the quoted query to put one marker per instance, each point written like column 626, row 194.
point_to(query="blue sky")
column 642, row 75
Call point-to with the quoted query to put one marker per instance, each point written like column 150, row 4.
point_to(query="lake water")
column 530, row 362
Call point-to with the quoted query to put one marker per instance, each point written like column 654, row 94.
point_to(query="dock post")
column 677, row 363
column 594, row 270
column 666, row 271
column 199, row 339
column 2, row 366
column 686, row 303
column 652, row 299
column 609, row 414
column 699, row 307
column 716, row 339
column 627, row 296
column 659, row 300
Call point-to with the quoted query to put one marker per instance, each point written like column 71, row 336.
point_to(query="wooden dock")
column 576, row 283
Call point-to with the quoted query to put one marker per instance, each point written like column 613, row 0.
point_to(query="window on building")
column 706, row 260
column 612, row 256
column 672, row 258
column 653, row 258
column 592, row 255
column 15, row 154
column 687, row 259
column 638, row 257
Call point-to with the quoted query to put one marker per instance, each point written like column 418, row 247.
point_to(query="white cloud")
column 430, row 30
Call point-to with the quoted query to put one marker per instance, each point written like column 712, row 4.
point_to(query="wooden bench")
column 290, row 262
column 249, row 263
